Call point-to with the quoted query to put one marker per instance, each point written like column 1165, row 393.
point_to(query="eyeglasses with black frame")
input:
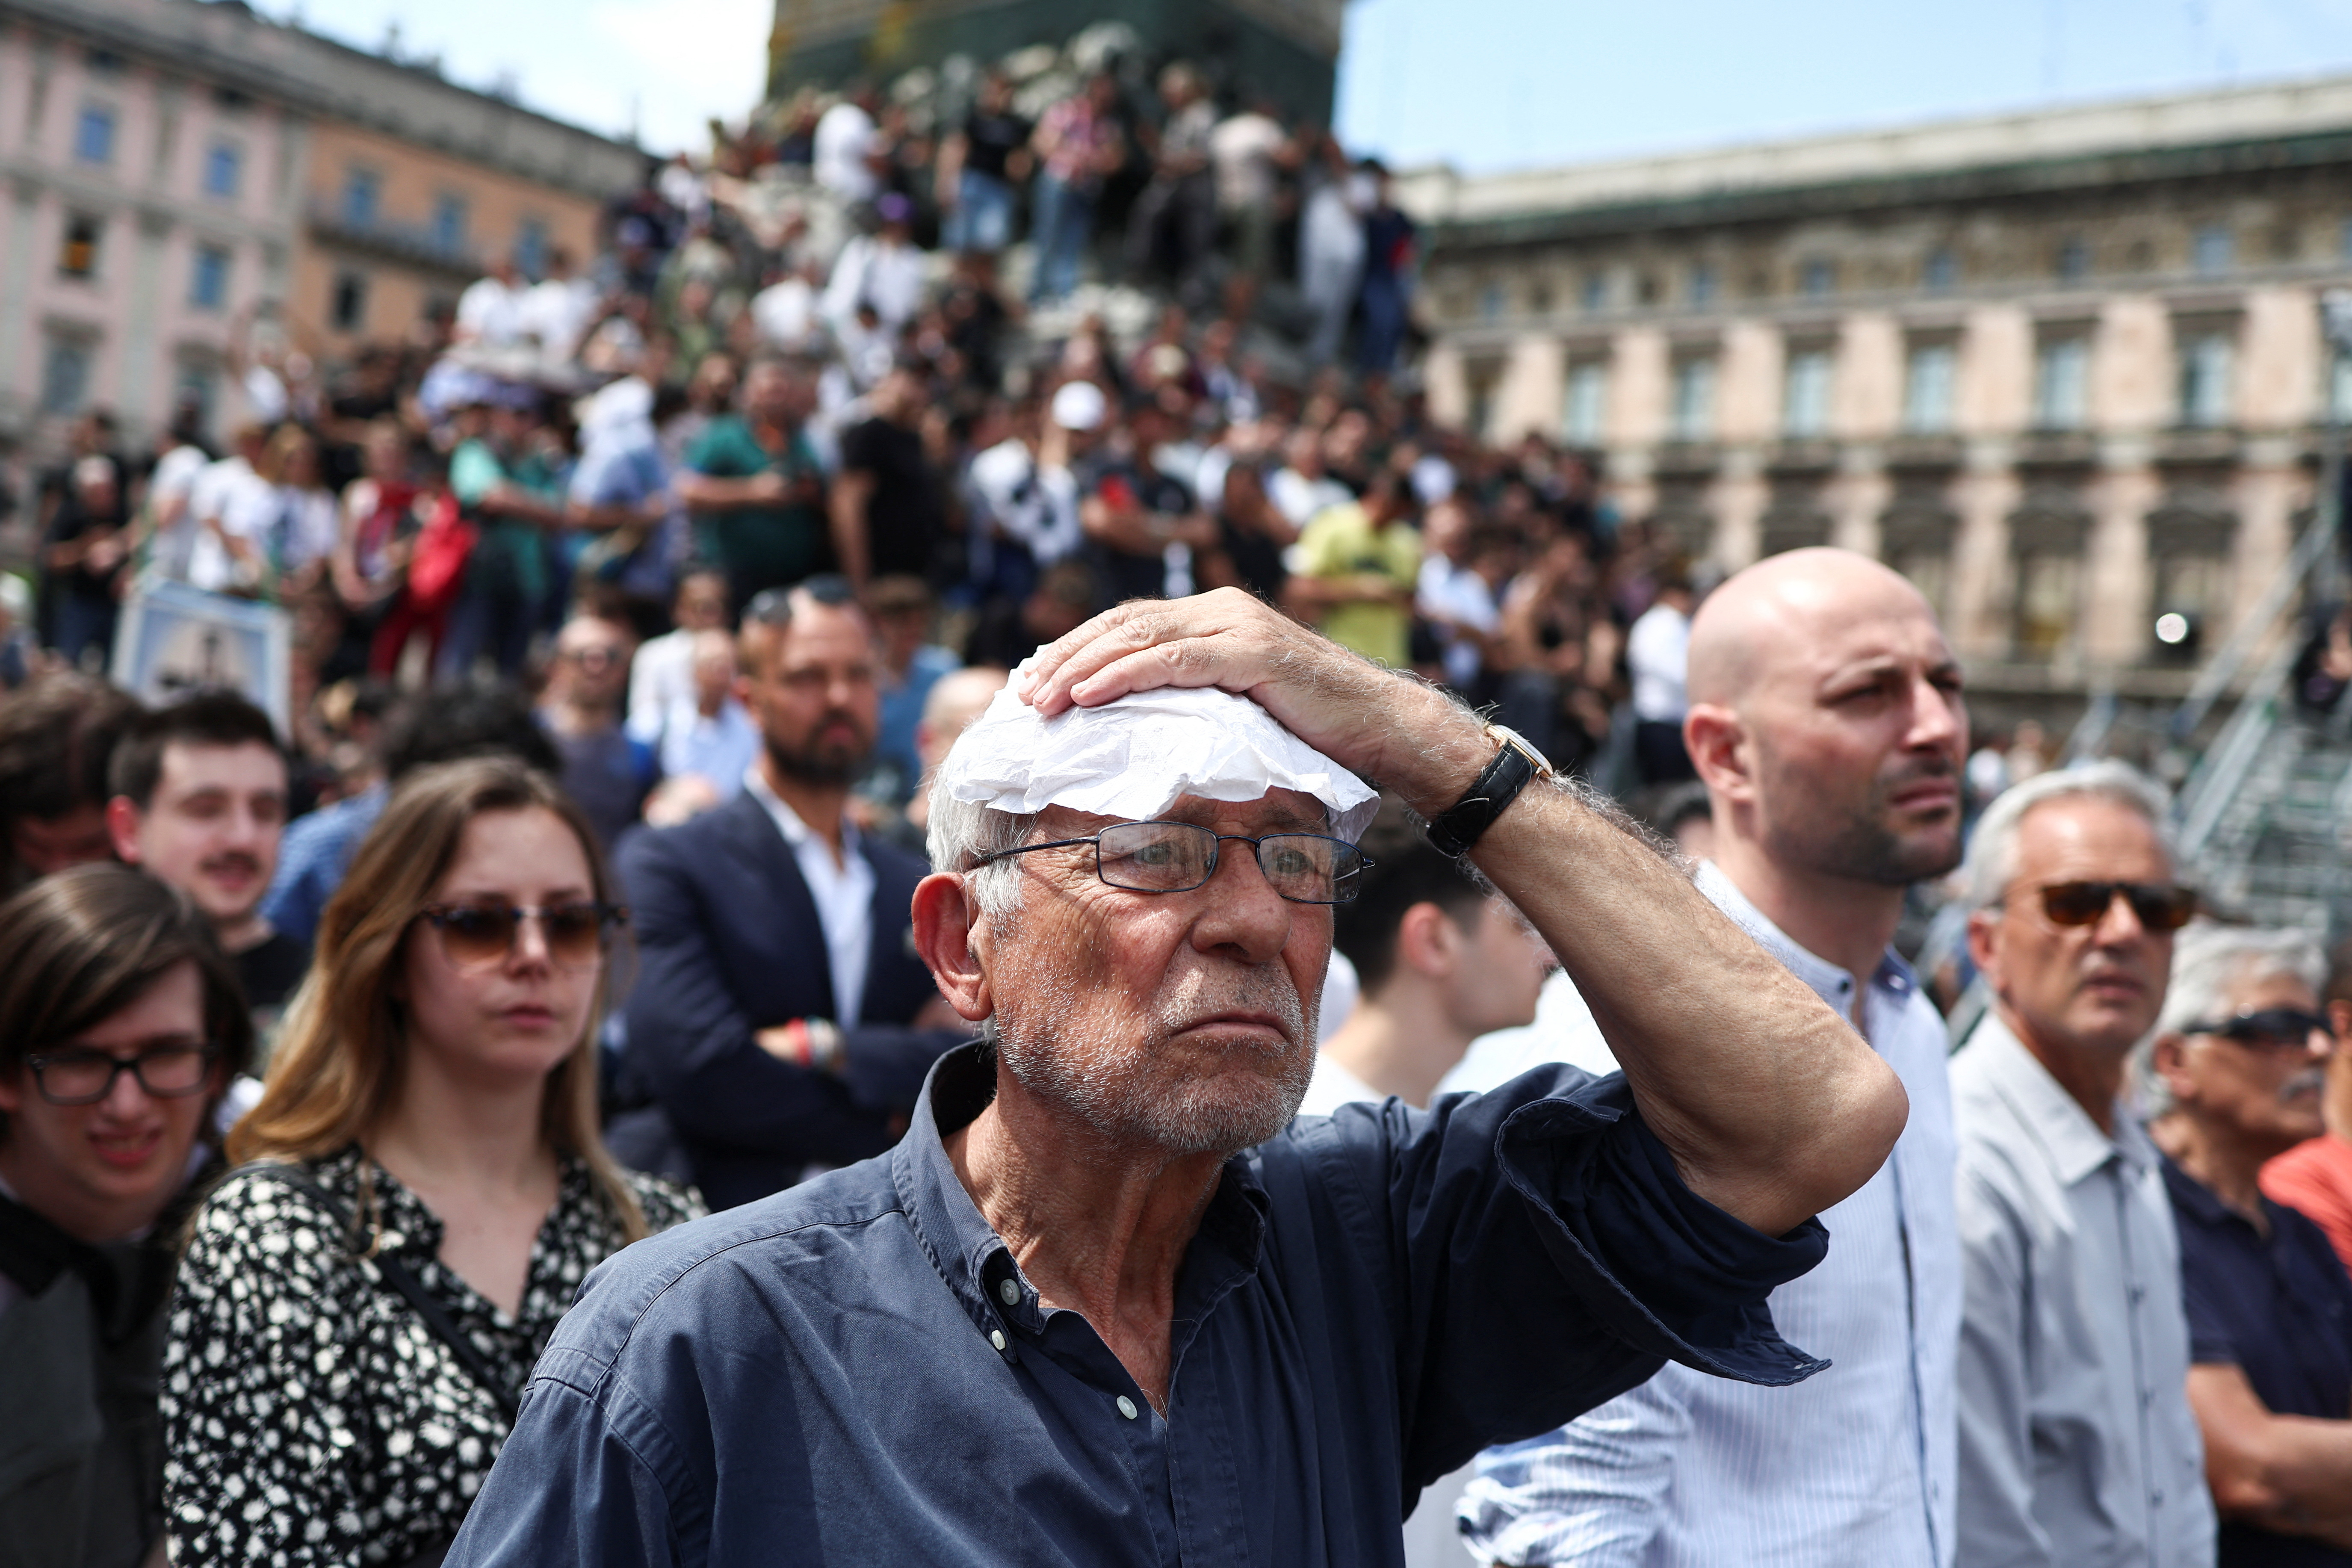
column 482, row 936
column 84, row 1075
column 1176, row 856
column 2158, row 906
column 2277, row 1029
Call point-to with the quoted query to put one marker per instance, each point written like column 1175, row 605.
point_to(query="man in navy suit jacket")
column 748, row 1025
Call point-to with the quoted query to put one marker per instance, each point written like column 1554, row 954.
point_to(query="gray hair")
column 1991, row 862
column 2208, row 961
column 964, row 833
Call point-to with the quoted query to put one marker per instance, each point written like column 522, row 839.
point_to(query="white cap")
column 1079, row 406
column 1132, row 758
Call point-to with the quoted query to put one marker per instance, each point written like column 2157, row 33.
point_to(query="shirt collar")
column 974, row 1260
column 797, row 834
column 2202, row 1204
column 1833, row 983
column 2067, row 1134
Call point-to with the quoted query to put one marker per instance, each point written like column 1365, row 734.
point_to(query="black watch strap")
column 1489, row 794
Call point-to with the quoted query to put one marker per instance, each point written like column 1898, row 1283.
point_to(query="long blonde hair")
column 336, row 1072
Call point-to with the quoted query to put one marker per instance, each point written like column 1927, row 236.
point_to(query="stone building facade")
column 169, row 169
column 2064, row 370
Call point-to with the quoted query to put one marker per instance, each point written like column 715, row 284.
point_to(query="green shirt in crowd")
column 761, row 546
column 1340, row 542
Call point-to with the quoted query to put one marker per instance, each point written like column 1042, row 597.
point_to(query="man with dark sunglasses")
column 2076, row 1442
column 2232, row 1077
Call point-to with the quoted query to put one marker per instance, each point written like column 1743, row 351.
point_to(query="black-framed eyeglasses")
column 483, row 936
column 2158, row 906
column 83, row 1075
column 1175, row 857
column 2268, row 1028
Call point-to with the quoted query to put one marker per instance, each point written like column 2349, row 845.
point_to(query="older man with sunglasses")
column 2077, row 1447
column 1108, row 1302
column 2233, row 1076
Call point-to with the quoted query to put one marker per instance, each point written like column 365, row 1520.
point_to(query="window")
column 94, row 135
column 1694, row 399
column 448, row 224
column 1491, row 301
column 77, row 253
column 2212, row 249
column 347, row 306
column 196, row 387
column 1942, row 271
column 2205, row 379
column 362, row 197
column 1702, row 284
column 1817, row 278
column 1805, row 401
column 1594, row 293
column 106, row 62
column 208, row 284
column 1588, row 398
column 65, row 376
column 224, row 169
column 2061, row 384
column 531, row 248
column 2073, row 261
column 1928, row 389
column 2049, row 596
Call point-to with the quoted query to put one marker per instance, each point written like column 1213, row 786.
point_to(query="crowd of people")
column 636, row 612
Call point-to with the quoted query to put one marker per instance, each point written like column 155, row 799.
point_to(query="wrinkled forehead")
column 1276, row 811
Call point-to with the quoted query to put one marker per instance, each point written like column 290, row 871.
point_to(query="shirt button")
column 1009, row 1292
column 996, row 1338
column 1126, row 1406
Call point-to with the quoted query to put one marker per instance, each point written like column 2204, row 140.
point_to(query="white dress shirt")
column 1657, row 658
column 2077, row 1446
column 1854, row 1466
column 843, row 892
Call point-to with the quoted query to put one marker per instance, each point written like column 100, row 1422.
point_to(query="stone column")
column 2115, row 624
column 1987, row 492
column 141, row 352
column 1534, row 382
column 20, row 367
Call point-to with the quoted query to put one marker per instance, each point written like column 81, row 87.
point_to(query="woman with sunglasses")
column 363, row 1301
column 120, row 1027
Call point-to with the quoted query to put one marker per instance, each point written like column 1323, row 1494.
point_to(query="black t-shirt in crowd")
column 904, row 520
column 272, row 969
column 70, row 522
column 1123, row 483
column 992, row 140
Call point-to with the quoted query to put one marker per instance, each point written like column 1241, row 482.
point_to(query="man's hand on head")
column 1386, row 725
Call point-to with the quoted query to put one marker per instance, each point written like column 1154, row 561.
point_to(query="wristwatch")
column 1453, row 833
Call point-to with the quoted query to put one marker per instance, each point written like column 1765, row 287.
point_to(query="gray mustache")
column 2311, row 1081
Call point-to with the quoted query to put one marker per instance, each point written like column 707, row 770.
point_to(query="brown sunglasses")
column 2158, row 906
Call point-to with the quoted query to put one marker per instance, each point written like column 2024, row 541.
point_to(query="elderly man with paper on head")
column 1108, row 1302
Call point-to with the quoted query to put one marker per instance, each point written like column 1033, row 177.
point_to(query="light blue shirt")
column 2077, row 1446
column 1856, row 1465
column 720, row 748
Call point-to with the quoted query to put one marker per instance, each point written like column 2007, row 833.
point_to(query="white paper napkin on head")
column 1133, row 757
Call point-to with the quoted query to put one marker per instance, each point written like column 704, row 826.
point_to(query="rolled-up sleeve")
column 1544, row 1257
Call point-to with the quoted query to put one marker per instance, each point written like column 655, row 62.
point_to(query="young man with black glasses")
column 120, row 1026
column 2076, row 1442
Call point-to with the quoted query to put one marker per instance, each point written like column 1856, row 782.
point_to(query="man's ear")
column 944, row 917
column 123, row 826
column 1427, row 942
column 1984, row 943
column 2169, row 1056
column 1717, row 739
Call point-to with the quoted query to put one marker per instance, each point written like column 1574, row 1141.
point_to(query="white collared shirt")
column 843, row 891
column 1855, row 1465
column 2077, row 1444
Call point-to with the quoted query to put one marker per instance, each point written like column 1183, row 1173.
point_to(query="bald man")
column 1826, row 722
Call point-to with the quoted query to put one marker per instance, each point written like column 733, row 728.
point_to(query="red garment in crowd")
column 2315, row 1177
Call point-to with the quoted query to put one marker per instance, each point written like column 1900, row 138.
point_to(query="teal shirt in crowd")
column 761, row 546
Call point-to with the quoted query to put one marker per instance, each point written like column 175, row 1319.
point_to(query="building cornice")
column 224, row 42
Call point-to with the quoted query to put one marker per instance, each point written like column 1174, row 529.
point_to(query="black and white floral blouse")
column 310, row 1416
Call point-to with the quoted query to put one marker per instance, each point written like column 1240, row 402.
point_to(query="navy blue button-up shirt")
column 2277, row 1308
column 857, row 1371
